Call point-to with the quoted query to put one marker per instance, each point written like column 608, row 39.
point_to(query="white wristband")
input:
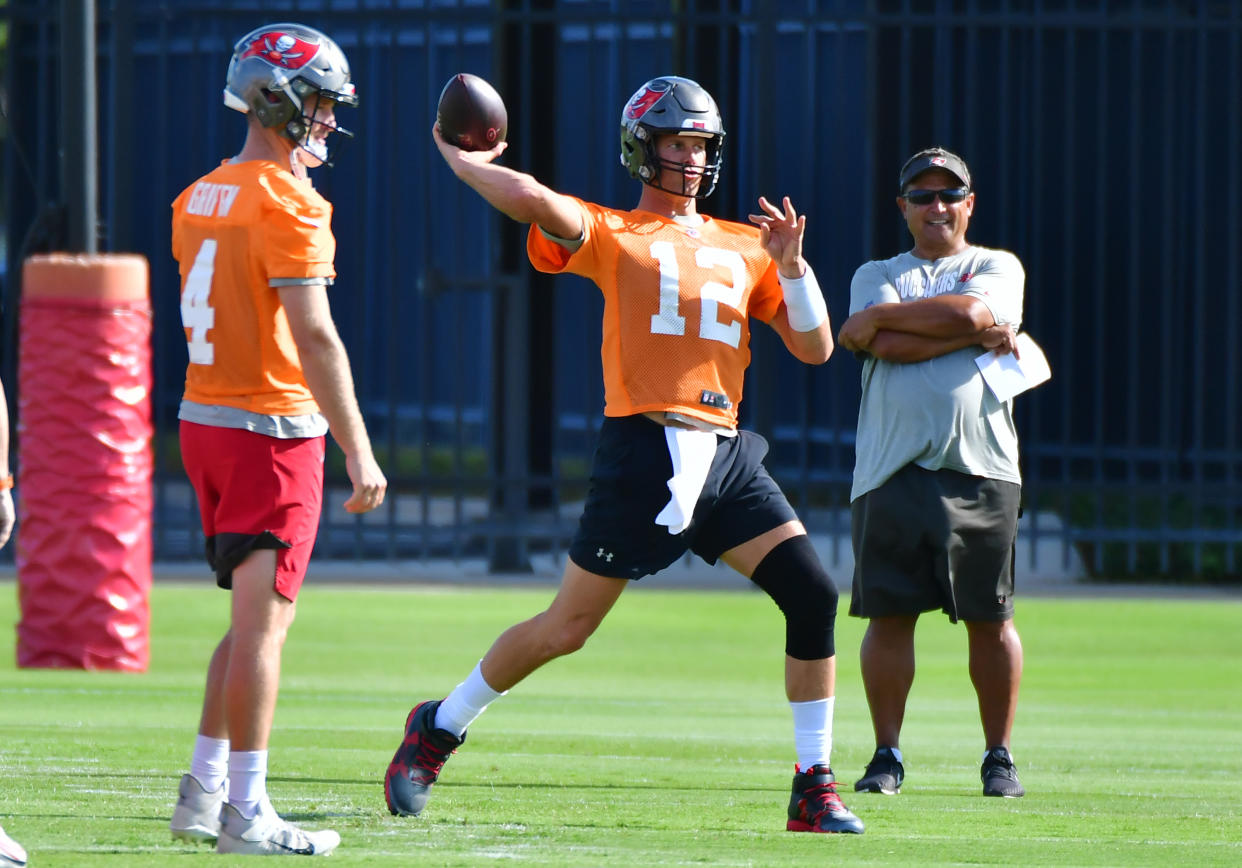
column 804, row 300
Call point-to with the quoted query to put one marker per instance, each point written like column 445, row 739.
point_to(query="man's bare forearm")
column 946, row 316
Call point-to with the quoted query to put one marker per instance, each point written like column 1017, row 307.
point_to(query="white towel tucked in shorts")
column 692, row 453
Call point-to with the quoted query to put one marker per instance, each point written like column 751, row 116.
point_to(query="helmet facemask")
column 653, row 169
column 313, row 137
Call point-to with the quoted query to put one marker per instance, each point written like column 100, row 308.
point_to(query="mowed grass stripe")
column 666, row 741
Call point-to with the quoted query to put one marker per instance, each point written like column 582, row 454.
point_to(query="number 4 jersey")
column 238, row 234
column 677, row 304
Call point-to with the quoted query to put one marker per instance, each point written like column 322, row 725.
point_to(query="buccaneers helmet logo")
column 645, row 99
column 281, row 49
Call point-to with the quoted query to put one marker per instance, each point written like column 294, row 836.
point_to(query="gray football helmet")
column 281, row 72
column 670, row 104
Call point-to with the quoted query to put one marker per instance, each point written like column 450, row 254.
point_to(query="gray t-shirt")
column 938, row 413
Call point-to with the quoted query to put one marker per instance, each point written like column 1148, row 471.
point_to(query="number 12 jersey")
column 677, row 305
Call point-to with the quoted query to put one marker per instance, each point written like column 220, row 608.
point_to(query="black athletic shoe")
column 417, row 762
column 884, row 774
column 815, row 805
column 999, row 776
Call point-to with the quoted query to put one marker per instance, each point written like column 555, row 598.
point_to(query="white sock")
column 210, row 763
column 247, row 780
column 468, row 700
column 813, row 731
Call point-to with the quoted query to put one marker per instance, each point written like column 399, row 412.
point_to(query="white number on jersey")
column 715, row 294
column 669, row 321
column 197, row 314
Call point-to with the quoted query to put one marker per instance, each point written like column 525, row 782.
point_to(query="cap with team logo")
column 934, row 158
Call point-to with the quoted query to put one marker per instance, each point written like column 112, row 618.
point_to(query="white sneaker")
column 11, row 852
column 266, row 834
column 196, row 818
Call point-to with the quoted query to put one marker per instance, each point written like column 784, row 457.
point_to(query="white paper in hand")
column 1009, row 375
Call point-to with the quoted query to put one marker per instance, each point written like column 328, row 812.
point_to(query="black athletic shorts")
column 935, row 539
column 617, row 534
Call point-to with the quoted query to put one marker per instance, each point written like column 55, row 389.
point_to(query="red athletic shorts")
column 255, row 492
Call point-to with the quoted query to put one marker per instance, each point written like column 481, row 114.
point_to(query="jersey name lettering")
column 212, row 200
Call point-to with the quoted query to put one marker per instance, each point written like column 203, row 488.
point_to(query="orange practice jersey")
column 677, row 303
column 237, row 233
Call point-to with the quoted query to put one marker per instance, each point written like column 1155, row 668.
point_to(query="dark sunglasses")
column 926, row 197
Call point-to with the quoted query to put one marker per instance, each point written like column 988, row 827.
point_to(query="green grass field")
column 666, row 741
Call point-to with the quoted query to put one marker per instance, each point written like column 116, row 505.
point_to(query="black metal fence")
column 1103, row 137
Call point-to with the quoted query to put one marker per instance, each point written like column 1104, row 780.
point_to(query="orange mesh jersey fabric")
column 234, row 232
column 677, row 304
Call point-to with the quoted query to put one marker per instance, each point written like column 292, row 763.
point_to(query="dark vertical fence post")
column 523, row 397
column 79, row 164
column 121, row 127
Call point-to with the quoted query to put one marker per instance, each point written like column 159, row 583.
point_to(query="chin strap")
column 296, row 166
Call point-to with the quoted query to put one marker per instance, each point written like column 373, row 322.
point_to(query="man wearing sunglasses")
column 936, row 492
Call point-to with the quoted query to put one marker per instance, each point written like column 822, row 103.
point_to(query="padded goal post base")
column 85, row 463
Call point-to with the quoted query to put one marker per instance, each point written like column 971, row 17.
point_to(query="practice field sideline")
column 666, row 741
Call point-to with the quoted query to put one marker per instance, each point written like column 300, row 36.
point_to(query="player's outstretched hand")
column 780, row 233
column 369, row 484
column 452, row 153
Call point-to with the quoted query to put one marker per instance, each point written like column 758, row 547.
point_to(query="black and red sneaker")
column 815, row 805
column 417, row 762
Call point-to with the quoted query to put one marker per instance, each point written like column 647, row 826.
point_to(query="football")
column 471, row 115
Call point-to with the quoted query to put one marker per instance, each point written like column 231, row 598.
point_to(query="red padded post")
column 84, row 463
